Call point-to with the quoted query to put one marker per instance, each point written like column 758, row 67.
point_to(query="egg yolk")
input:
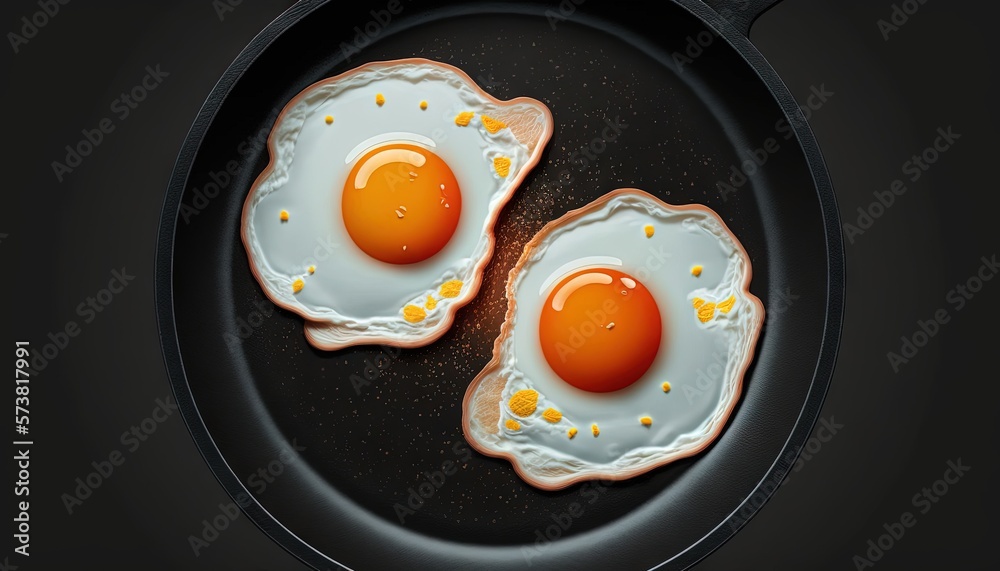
column 600, row 329
column 401, row 203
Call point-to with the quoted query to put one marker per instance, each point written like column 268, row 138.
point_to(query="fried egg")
column 628, row 330
column 374, row 219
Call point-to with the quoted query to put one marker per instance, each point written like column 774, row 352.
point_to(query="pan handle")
column 741, row 13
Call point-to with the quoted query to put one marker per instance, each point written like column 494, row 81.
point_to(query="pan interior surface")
column 363, row 447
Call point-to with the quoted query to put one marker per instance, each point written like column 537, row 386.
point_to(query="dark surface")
column 366, row 447
column 899, row 429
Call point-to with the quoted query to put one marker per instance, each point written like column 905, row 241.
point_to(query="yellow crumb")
column 311, row 270
column 329, row 119
column 414, row 313
column 646, row 421
column 379, row 99
column 463, row 118
column 571, row 433
column 423, row 105
column 513, row 424
column 727, row 305
column 595, row 430
column 283, row 215
column 524, row 402
column 696, row 270
column 666, row 387
column 297, row 285
column 492, row 125
column 431, row 302
column 697, row 302
column 502, row 166
column 552, row 415
column 648, row 228
column 451, row 288
column 706, row 312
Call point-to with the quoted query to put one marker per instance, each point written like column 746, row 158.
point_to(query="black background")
column 60, row 242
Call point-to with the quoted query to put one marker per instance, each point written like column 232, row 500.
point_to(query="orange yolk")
column 600, row 329
column 401, row 203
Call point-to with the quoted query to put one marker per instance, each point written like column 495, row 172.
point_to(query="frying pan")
column 366, row 466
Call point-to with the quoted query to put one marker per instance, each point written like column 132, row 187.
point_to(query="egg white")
column 704, row 362
column 352, row 298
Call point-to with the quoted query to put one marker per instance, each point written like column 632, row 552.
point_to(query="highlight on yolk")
column 401, row 203
column 576, row 338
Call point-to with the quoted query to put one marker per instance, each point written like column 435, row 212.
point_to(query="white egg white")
column 351, row 298
column 703, row 361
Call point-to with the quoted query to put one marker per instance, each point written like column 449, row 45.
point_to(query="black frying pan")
column 249, row 385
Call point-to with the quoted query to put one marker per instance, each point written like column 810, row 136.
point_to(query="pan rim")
column 263, row 519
